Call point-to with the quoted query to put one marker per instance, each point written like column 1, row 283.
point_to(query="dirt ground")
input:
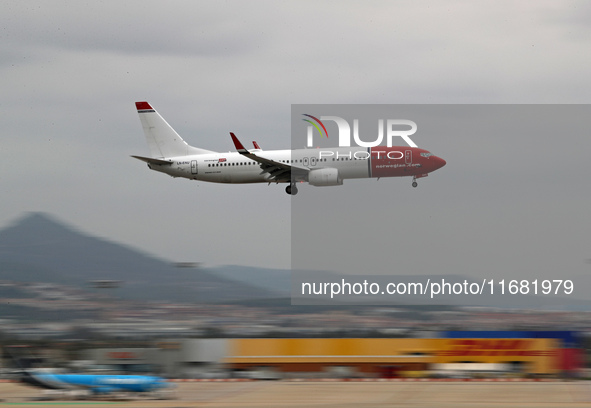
column 333, row 394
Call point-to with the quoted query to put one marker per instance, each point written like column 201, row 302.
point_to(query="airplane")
column 96, row 384
column 170, row 154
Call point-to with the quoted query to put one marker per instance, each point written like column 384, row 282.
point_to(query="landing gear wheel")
column 291, row 189
column 414, row 184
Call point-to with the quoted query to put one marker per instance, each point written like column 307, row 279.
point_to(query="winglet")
column 239, row 147
column 256, row 145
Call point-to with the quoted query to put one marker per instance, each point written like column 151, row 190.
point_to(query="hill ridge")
column 42, row 247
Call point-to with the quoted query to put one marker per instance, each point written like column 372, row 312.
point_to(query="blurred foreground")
column 344, row 394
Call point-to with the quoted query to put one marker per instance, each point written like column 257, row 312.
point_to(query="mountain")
column 39, row 248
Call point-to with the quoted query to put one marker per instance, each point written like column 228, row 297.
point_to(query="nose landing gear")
column 418, row 176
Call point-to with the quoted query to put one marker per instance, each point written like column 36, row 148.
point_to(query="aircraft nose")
column 439, row 162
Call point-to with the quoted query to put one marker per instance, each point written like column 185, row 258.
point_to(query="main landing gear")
column 414, row 182
column 291, row 189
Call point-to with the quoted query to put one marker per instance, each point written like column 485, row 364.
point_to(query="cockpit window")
column 426, row 154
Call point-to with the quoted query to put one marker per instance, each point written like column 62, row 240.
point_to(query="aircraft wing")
column 279, row 172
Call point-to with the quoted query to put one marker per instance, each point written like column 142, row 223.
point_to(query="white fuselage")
column 233, row 167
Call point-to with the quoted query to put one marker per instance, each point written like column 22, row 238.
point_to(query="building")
column 492, row 353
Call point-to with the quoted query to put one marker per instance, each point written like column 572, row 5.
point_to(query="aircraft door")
column 193, row 166
column 408, row 157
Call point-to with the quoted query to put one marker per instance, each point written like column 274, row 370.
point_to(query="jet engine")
column 324, row 177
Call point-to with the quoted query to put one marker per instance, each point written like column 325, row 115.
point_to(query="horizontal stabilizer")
column 152, row 161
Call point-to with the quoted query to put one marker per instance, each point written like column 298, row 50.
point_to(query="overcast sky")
column 71, row 72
